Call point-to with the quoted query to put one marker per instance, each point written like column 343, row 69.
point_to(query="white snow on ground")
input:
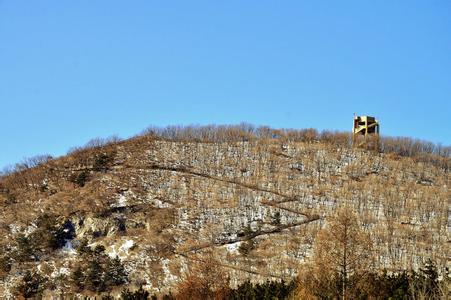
column 30, row 229
column 167, row 274
column 122, row 251
column 61, row 271
column 160, row 204
column 121, row 202
column 127, row 245
column 113, row 252
column 69, row 248
column 7, row 292
column 14, row 228
column 233, row 247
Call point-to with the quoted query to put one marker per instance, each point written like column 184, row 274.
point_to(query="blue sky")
column 74, row 70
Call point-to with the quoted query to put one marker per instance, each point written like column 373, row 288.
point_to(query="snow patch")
column 233, row 247
column 60, row 272
column 30, row 229
column 122, row 251
column 160, row 204
column 127, row 245
column 168, row 276
column 121, row 202
column 15, row 229
column 113, row 252
column 69, row 248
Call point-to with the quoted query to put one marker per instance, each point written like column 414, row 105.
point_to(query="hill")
column 253, row 199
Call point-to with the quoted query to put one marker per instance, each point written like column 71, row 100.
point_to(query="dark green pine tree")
column 107, row 297
column 115, row 273
column 31, row 285
column 264, row 291
column 246, row 290
column 136, row 295
column 78, row 279
column 25, row 249
column 427, row 279
column 94, row 276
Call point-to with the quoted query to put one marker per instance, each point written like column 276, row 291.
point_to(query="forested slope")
column 141, row 212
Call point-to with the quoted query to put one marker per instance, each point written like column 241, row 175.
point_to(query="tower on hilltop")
column 365, row 132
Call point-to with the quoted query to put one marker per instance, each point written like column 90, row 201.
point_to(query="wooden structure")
column 365, row 132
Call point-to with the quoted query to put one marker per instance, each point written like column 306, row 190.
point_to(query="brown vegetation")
column 257, row 198
column 204, row 279
column 342, row 257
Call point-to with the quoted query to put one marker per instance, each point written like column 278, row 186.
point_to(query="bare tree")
column 31, row 162
column 342, row 252
column 205, row 279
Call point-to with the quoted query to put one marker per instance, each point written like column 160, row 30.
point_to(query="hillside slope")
column 256, row 205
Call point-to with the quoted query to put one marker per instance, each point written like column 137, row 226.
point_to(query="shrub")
column 26, row 249
column 246, row 247
column 78, row 279
column 102, row 162
column 276, row 219
column 98, row 272
column 101, row 142
column 425, row 284
column 31, row 285
column 115, row 273
column 80, row 178
column 94, row 276
column 10, row 197
column 205, row 279
column 136, row 295
column 266, row 291
column 31, row 162
column 5, row 261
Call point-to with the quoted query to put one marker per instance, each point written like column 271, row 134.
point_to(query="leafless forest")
column 221, row 212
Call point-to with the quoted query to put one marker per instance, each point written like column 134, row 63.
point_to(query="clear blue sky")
column 74, row 70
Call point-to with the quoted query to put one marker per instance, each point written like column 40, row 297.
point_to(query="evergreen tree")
column 102, row 162
column 244, row 291
column 5, row 263
column 425, row 283
column 78, row 279
column 80, row 179
column 26, row 250
column 31, row 285
column 140, row 294
column 276, row 218
column 115, row 273
column 94, row 276
column 166, row 297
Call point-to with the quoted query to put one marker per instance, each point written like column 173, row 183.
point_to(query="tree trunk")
column 345, row 256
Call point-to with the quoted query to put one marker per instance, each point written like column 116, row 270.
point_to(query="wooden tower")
column 365, row 132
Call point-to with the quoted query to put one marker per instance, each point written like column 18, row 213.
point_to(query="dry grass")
column 196, row 187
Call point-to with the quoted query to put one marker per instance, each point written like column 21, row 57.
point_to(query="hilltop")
column 252, row 198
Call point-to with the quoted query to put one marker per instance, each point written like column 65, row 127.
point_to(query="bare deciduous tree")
column 205, row 279
column 342, row 251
